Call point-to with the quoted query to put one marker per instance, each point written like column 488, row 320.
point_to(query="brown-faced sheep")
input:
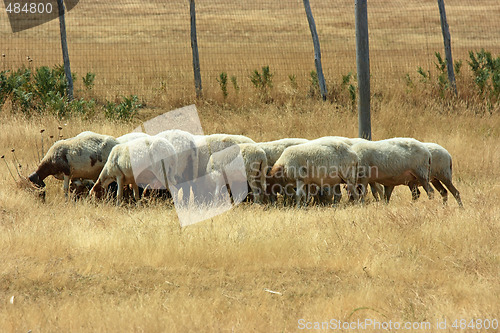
column 83, row 157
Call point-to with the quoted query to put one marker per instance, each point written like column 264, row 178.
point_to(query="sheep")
column 207, row 145
column 149, row 160
column 82, row 156
column 314, row 163
column 131, row 136
column 325, row 197
column 441, row 172
column 392, row 162
column 187, row 155
column 273, row 150
column 224, row 168
column 80, row 187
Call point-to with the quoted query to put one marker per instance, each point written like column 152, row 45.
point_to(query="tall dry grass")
column 84, row 266
column 81, row 266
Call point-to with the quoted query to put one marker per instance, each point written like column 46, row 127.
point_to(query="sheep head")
column 35, row 179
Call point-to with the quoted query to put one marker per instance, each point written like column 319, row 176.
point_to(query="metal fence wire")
column 144, row 48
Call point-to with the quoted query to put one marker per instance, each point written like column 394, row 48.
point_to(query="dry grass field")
column 86, row 266
column 80, row 266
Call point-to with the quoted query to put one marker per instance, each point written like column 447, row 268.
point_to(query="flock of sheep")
column 303, row 170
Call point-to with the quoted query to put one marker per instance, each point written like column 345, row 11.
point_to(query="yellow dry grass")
column 82, row 266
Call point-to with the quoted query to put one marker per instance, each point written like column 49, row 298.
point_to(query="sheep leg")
column 324, row 195
column 441, row 190
column 186, row 194
column 300, row 192
column 387, row 193
column 377, row 191
column 352, row 188
column 135, row 188
column 254, row 188
column 66, row 186
column 415, row 193
column 119, row 194
column 272, row 193
column 362, row 187
column 453, row 191
column 337, row 194
column 312, row 192
column 427, row 187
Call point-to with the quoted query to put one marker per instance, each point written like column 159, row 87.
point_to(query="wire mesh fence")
column 144, row 48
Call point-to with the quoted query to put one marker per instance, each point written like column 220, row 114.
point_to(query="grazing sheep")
column 392, row 162
column 80, row 187
column 273, row 150
column 209, row 144
column 441, row 172
column 325, row 196
column 348, row 141
column 187, row 156
column 131, row 136
column 148, row 160
column 225, row 162
column 83, row 156
column 317, row 164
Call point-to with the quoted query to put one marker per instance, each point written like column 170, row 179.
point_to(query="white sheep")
column 209, row 144
column 147, row 160
column 186, row 150
column 131, row 136
column 325, row 196
column 392, row 162
column 273, row 150
column 321, row 164
column 223, row 166
column 441, row 172
column 82, row 156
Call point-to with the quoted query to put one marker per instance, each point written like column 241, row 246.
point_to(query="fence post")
column 317, row 51
column 194, row 47
column 64, row 46
column 447, row 46
column 363, row 68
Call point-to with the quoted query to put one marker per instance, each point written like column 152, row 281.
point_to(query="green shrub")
column 223, row 83
column 263, row 82
column 125, row 110
column 486, row 70
column 234, row 81
column 314, row 90
column 40, row 90
column 88, row 80
column 293, row 81
column 351, row 88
